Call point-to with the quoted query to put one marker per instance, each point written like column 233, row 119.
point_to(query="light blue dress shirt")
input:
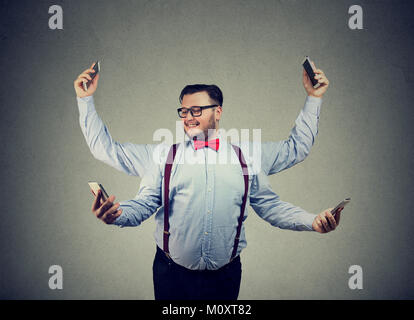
column 205, row 190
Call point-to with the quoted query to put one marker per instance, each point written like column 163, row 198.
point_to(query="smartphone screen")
column 95, row 187
column 309, row 70
column 103, row 191
column 97, row 68
column 342, row 204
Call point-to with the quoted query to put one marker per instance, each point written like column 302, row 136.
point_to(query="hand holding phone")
column 314, row 87
column 325, row 222
column 341, row 205
column 96, row 68
column 109, row 212
column 86, row 83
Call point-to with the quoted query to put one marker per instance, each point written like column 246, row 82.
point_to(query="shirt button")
column 206, row 233
column 209, row 189
column 209, row 211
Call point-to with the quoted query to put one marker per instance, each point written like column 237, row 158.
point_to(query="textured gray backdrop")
column 252, row 49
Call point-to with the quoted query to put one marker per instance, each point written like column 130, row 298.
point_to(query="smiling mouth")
column 192, row 125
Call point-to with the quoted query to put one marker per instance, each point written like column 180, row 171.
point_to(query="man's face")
column 199, row 126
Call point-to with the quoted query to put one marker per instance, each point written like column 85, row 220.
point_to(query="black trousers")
column 174, row 282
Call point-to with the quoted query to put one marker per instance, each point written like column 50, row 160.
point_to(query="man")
column 206, row 199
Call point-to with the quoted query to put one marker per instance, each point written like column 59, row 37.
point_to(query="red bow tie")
column 213, row 144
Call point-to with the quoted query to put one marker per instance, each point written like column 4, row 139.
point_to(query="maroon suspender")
column 167, row 175
column 243, row 206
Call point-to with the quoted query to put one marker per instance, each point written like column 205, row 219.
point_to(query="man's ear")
column 219, row 111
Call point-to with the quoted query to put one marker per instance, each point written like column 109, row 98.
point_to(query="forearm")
column 287, row 216
column 302, row 136
column 129, row 158
column 281, row 214
column 134, row 212
column 278, row 156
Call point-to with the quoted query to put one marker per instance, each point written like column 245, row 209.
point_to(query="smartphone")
column 95, row 187
column 97, row 68
column 342, row 204
column 309, row 70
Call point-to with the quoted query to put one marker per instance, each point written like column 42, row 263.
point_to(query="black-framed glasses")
column 196, row 111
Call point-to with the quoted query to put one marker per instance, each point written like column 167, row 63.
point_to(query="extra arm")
column 278, row 156
column 270, row 208
column 130, row 158
column 146, row 202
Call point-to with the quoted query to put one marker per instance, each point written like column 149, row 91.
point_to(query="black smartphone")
column 309, row 70
column 97, row 68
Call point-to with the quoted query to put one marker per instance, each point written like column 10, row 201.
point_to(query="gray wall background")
column 252, row 49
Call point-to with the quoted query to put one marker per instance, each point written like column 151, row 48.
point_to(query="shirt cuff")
column 306, row 222
column 313, row 105
column 121, row 220
column 85, row 105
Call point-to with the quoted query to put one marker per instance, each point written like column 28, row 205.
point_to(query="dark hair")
column 212, row 90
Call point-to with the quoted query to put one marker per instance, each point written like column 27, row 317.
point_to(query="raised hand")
column 84, row 77
column 322, row 79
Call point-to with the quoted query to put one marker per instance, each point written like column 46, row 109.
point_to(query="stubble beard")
column 205, row 135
